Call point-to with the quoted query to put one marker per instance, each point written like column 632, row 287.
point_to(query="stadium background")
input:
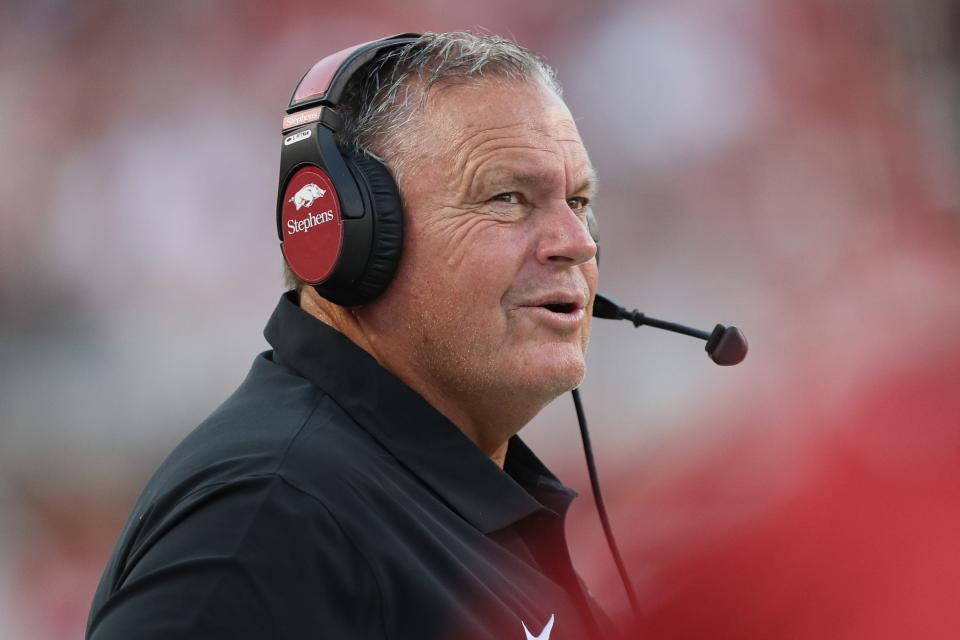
column 790, row 166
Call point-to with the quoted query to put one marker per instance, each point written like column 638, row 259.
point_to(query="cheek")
column 452, row 306
column 591, row 273
column 472, row 259
column 489, row 272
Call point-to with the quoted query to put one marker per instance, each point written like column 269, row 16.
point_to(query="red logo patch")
column 311, row 225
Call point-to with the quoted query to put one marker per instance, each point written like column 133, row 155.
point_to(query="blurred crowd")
column 791, row 166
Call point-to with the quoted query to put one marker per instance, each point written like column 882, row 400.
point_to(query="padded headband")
column 324, row 83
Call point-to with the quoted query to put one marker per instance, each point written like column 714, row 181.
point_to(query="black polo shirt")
column 326, row 499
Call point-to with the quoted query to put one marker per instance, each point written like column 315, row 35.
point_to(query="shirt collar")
column 419, row 436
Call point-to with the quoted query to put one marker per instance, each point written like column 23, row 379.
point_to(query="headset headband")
column 324, row 83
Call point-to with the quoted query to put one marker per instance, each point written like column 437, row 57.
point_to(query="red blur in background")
column 864, row 545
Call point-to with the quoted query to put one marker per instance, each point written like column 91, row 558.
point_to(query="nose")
column 565, row 239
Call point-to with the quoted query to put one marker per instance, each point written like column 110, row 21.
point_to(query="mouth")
column 565, row 301
column 559, row 310
column 560, row 307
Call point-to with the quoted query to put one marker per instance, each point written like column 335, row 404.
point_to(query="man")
column 366, row 481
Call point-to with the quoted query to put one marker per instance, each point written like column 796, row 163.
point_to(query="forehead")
column 498, row 119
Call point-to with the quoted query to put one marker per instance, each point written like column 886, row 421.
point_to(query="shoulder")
column 252, row 557
column 275, row 423
column 277, row 428
column 278, row 443
column 239, row 516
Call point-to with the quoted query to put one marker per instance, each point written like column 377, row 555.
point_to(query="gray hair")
column 396, row 86
column 381, row 103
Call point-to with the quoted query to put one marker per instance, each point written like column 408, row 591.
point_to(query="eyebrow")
column 589, row 182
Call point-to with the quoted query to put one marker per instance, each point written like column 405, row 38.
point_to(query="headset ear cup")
column 387, row 210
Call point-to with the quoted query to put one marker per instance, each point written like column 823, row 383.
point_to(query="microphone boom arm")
column 725, row 345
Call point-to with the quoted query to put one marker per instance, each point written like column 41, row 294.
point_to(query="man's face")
column 494, row 291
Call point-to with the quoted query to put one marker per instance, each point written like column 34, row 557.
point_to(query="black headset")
column 339, row 216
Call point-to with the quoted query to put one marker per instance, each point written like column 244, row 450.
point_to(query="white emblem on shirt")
column 544, row 635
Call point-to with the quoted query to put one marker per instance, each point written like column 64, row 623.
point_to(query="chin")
column 553, row 370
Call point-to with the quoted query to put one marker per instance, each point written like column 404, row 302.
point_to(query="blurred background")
column 790, row 166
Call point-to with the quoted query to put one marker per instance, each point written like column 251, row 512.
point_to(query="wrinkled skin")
column 495, row 225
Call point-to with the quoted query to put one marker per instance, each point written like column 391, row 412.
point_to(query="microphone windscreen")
column 729, row 349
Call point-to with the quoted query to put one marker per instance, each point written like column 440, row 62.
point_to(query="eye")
column 509, row 197
column 578, row 203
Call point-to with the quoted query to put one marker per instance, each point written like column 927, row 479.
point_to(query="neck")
column 500, row 455
column 489, row 425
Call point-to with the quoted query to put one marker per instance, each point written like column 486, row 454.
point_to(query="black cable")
column 601, row 509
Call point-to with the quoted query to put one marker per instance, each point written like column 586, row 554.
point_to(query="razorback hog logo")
column 306, row 195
